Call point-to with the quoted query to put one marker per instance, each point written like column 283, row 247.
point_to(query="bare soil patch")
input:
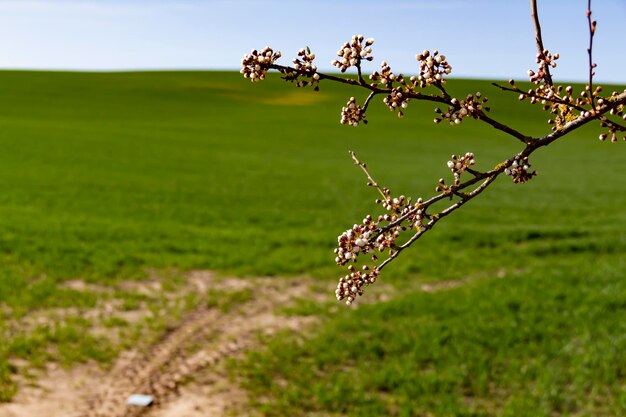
column 185, row 369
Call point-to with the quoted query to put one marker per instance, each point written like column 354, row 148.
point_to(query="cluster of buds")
column 381, row 233
column 351, row 53
column 400, row 207
column 545, row 60
column 385, row 77
column 256, row 64
column 351, row 285
column 355, row 241
column 397, row 100
column 303, row 65
column 559, row 101
column 374, row 236
column 433, row 68
column 442, row 187
column 472, row 106
column 614, row 128
column 352, row 113
column 587, row 97
column 304, row 61
column 459, row 164
column 519, row 170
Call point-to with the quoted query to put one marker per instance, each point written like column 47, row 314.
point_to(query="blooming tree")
column 368, row 247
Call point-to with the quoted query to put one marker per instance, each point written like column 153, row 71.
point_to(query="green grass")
column 545, row 342
column 107, row 175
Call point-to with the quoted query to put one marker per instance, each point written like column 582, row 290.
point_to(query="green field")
column 107, row 176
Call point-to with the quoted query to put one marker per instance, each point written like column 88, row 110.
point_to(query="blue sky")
column 481, row 38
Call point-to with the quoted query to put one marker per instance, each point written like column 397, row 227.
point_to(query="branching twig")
column 424, row 205
column 434, row 219
column 575, row 124
column 374, row 90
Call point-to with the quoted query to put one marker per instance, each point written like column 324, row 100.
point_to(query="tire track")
column 204, row 338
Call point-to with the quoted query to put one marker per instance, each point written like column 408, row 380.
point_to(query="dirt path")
column 196, row 348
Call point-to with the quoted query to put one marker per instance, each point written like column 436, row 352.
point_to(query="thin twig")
column 439, row 85
column 532, row 93
column 474, row 172
column 539, row 40
column 592, row 31
column 368, row 99
column 504, row 128
column 358, row 68
column 371, row 181
column 612, row 124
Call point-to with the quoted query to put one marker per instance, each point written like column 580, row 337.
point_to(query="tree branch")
column 385, row 233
